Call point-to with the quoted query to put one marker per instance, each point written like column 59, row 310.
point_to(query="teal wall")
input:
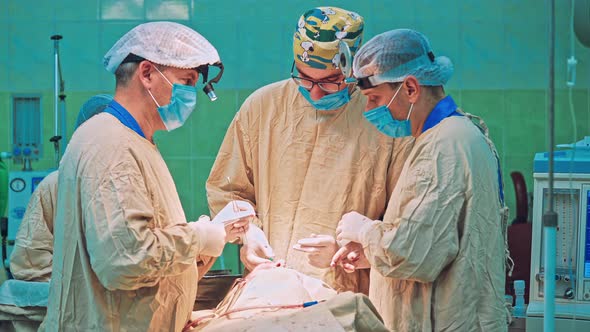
column 499, row 49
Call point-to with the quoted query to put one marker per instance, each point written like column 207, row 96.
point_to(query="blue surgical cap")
column 91, row 107
column 392, row 56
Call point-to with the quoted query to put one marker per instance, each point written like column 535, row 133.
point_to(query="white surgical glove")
column 349, row 227
column 236, row 216
column 256, row 249
column 237, row 229
column 212, row 236
column 351, row 257
column 319, row 248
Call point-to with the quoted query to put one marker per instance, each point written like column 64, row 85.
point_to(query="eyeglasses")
column 308, row 84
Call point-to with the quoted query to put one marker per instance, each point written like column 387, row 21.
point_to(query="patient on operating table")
column 275, row 297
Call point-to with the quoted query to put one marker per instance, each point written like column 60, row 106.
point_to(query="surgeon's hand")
column 237, row 229
column 349, row 227
column 215, row 236
column 319, row 248
column 351, row 257
column 256, row 249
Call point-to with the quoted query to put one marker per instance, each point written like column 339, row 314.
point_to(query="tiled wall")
column 499, row 49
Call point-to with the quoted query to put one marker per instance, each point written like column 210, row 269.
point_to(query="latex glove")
column 256, row 249
column 349, row 227
column 236, row 217
column 319, row 248
column 212, row 236
column 351, row 257
column 237, row 229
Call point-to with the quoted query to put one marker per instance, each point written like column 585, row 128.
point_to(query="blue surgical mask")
column 328, row 102
column 182, row 104
column 381, row 118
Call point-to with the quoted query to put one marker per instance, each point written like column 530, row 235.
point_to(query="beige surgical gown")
column 303, row 169
column 33, row 249
column 438, row 256
column 124, row 256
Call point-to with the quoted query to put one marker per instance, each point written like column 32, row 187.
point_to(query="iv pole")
column 59, row 95
column 550, row 217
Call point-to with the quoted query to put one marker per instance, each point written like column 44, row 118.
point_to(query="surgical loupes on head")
column 208, row 88
column 345, row 62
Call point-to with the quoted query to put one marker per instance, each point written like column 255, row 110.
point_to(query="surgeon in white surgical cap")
column 125, row 257
column 437, row 257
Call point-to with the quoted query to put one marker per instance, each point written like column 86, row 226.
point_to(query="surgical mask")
column 381, row 118
column 328, row 102
column 182, row 104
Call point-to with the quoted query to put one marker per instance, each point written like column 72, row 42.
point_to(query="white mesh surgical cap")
column 394, row 55
column 94, row 105
column 165, row 43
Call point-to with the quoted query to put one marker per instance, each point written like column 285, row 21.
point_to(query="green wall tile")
column 29, row 51
column 177, row 143
column 181, row 174
column 4, row 10
column 201, row 167
column 564, row 123
column 525, row 69
column 525, row 120
column 122, row 10
column 457, row 96
column 158, row 10
column 480, row 10
column 4, row 40
column 5, row 124
column 211, row 120
column 80, row 54
column 72, row 10
column 487, row 104
column 40, row 11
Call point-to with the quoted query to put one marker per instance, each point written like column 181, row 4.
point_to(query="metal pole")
column 56, row 81
column 63, row 120
column 550, row 217
column 57, row 78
